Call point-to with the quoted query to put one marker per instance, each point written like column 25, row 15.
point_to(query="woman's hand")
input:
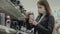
column 33, row 22
column 27, row 14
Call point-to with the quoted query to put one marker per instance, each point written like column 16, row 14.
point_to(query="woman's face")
column 41, row 9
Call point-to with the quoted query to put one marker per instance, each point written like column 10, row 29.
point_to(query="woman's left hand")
column 33, row 22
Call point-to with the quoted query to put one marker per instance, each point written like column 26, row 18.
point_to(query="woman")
column 46, row 24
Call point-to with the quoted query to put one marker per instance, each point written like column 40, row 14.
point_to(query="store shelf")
column 9, row 8
column 5, row 29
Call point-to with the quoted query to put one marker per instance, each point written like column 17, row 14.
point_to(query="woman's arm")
column 49, row 27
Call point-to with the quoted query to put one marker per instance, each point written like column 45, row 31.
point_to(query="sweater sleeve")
column 50, row 26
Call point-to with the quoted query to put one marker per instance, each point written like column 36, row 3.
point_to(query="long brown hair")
column 45, row 3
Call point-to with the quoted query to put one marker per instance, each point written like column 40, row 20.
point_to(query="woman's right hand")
column 27, row 14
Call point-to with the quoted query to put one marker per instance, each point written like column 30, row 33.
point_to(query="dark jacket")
column 45, row 26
